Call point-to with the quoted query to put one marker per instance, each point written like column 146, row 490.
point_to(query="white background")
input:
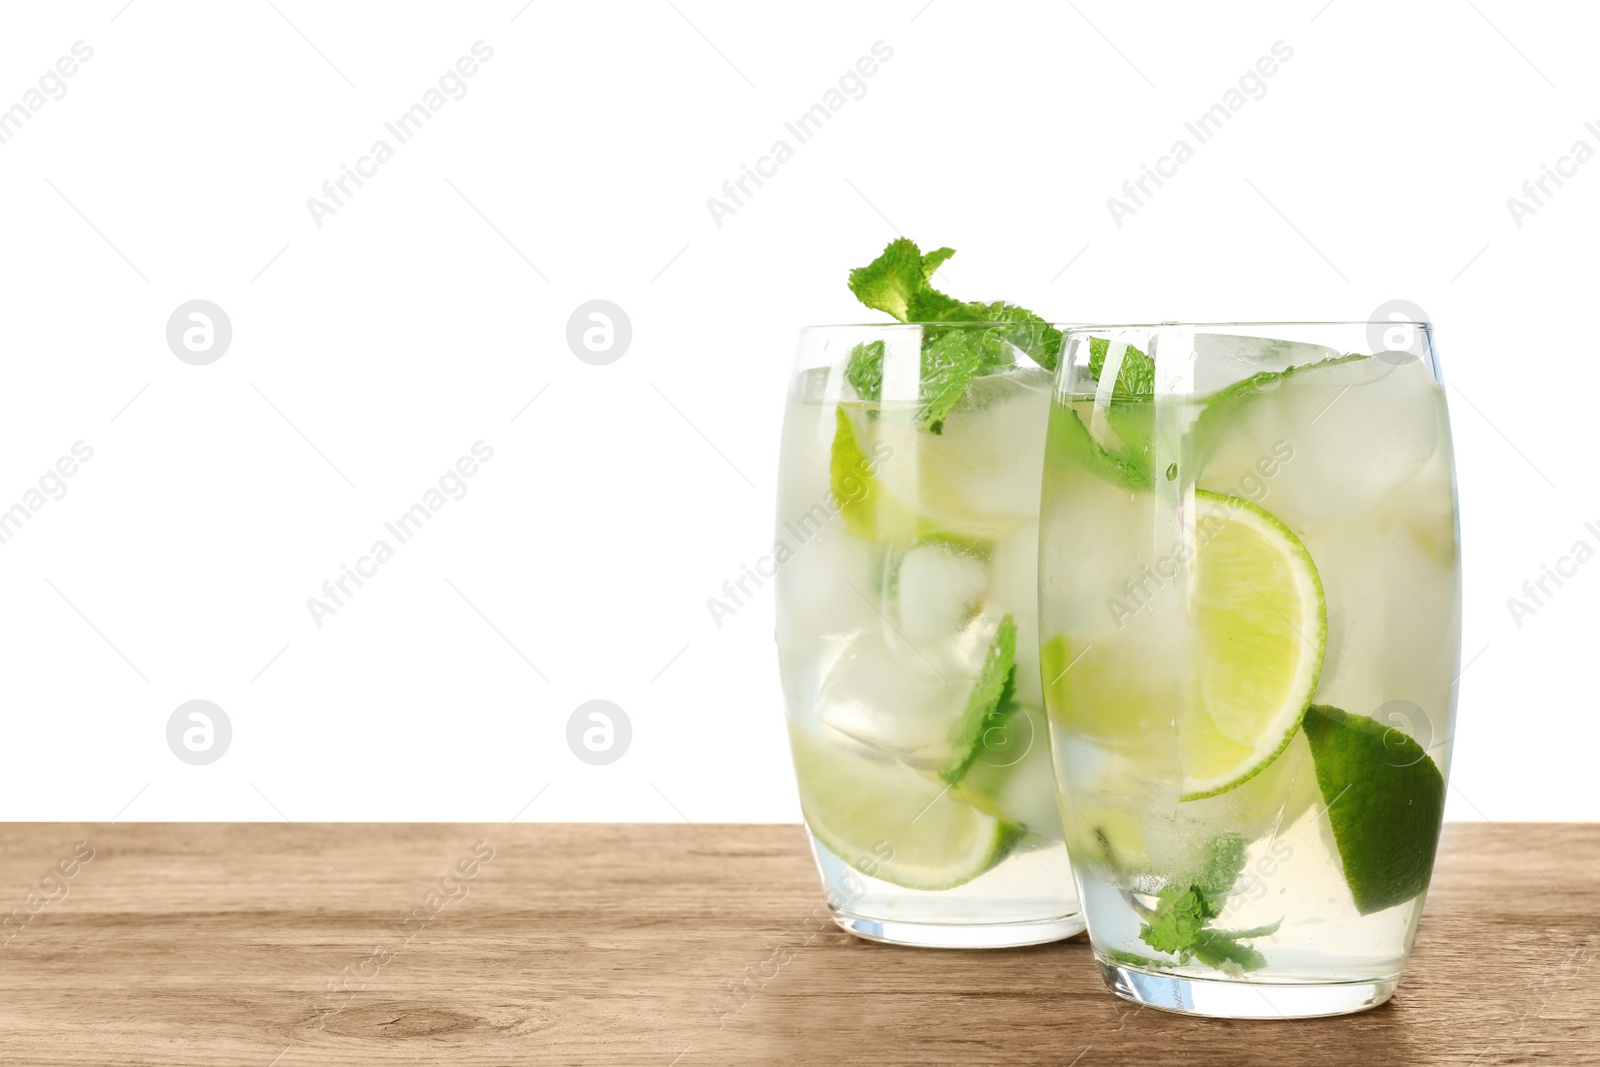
column 369, row 353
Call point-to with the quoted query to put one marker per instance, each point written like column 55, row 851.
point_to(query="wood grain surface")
column 270, row 944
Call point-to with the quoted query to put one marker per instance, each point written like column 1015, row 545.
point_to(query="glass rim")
column 1080, row 328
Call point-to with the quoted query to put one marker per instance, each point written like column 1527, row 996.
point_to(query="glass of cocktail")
column 1250, row 613
column 908, row 510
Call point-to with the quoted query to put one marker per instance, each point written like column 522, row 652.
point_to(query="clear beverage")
column 1251, row 608
column 908, row 645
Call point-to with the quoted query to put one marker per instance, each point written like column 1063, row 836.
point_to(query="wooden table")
column 270, row 944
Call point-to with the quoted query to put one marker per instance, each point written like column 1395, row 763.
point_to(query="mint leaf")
column 1136, row 372
column 1255, row 931
column 888, row 282
column 1029, row 332
column 990, row 703
column 934, row 260
column 1179, row 916
column 1180, row 923
column 1131, row 411
column 951, row 359
column 1215, row 948
column 864, row 371
column 899, row 282
column 1070, row 445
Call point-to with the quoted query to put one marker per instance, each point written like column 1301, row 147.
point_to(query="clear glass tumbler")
column 1251, row 613
column 907, row 554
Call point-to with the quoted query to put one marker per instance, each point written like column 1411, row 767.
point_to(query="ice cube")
column 890, row 696
column 981, row 473
column 1390, row 576
column 991, row 453
column 815, row 597
column 1224, row 358
column 1328, row 441
column 937, row 589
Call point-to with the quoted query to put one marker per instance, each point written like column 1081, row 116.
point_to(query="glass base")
column 1222, row 999
column 951, row 935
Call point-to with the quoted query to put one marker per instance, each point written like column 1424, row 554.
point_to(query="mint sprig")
column 900, row 283
column 1180, row 923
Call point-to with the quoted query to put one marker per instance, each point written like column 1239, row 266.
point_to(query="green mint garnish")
column 1224, row 950
column 1071, row 447
column 1179, row 917
column 1180, row 923
column 990, row 703
column 951, row 359
column 899, row 282
column 1136, row 374
column 890, row 282
column 1131, row 411
column 864, row 371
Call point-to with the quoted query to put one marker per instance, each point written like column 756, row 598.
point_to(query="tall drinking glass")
column 907, row 555
column 1251, row 613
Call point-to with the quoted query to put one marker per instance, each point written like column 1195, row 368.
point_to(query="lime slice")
column 855, row 804
column 1385, row 800
column 1258, row 623
column 1260, row 628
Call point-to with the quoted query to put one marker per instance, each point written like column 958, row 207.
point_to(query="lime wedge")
column 1260, row 628
column 855, row 804
column 1385, row 800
